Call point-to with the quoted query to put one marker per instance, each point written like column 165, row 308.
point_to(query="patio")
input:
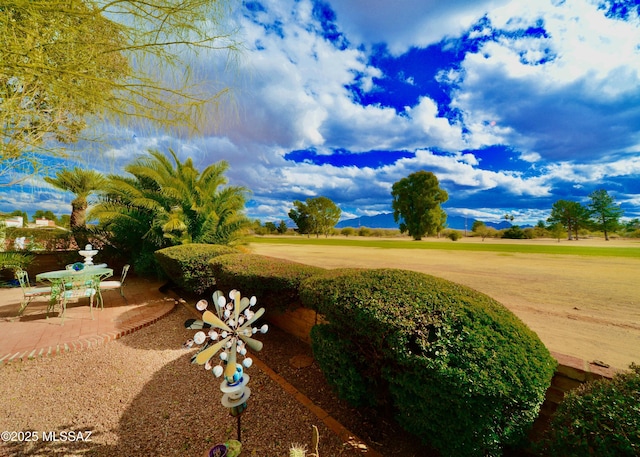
column 34, row 335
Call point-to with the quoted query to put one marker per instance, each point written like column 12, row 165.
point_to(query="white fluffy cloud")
column 402, row 24
column 561, row 101
column 544, row 90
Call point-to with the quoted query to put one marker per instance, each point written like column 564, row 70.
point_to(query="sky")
column 513, row 105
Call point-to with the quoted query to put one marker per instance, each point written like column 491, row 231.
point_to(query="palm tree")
column 81, row 182
column 167, row 202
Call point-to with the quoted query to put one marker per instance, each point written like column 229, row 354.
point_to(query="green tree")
column 572, row 215
column 416, row 204
column 42, row 214
column 282, row 228
column 270, row 226
column 324, row 213
column 82, row 183
column 604, row 211
column 540, row 230
column 66, row 62
column 557, row 231
column 316, row 216
column 477, row 225
column 438, row 218
column 348, row 231
column 165, row 202
column 482, row 230
column 17, row 212
column 300, row 216
column 632, row 228
column 514, row 232
column 65, row 221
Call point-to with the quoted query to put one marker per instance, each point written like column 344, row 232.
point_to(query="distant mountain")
column 385, row 220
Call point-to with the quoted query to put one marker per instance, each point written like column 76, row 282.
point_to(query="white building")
column 14, row 221
column 44, row 223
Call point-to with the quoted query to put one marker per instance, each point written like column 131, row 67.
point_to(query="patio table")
column 60, row 279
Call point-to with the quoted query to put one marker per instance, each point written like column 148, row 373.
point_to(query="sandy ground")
column 587, row 307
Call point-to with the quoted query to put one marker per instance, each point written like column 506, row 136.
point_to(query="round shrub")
column 514, row 232
column 453, row 235
column 598, row 418
column 462, row 372
column 188, row 265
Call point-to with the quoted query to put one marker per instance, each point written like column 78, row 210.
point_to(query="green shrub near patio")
column 456, row 368
column 41, row 239
column 273, row 281
column 188, row 265
column 600, row 418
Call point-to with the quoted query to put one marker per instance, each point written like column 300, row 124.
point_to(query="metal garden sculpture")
column 229, row 332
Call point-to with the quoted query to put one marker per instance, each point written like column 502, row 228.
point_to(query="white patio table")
column 68, row 283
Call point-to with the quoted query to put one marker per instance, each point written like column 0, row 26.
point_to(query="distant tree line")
column 416, row 205
column 417, row 209
column 62, row 221
column 601, row 213
column 570, row 218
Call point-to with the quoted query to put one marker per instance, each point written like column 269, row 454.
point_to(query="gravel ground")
column 140, row 395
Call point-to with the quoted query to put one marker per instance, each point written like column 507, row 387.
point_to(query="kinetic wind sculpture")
column 230, row 332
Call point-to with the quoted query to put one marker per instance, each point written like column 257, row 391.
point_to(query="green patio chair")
column 80, row 286
column 29, row 292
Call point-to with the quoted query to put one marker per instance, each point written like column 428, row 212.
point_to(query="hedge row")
column 456, row 368
column 460, row 370
column 188, row 265
column 273, row 281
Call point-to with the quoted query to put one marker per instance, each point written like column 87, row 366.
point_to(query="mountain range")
column 385, row 220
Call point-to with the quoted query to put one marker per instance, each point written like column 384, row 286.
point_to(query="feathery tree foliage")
column 315, row 215
column 416, row 204
column 571, row 215
column 167, row 202
column 81, row 182
column 63, row 62
column 604, row 211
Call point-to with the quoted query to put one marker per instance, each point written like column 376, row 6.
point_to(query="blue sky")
column 512, row 104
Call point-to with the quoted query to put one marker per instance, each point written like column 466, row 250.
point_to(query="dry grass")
column 587, row 307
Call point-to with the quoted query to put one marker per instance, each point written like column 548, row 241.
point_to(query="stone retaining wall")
column 571, row 372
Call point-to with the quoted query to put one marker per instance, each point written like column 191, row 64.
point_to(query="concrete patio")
column 35, row 335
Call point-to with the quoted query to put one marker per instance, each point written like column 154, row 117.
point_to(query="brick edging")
column 84, row 343
column 336, row 427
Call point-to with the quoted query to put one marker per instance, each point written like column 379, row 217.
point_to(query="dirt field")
column 587, row 307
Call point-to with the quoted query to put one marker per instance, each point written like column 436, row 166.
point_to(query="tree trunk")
column 77, row 221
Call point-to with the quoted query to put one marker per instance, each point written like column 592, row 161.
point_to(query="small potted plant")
column 219, row 450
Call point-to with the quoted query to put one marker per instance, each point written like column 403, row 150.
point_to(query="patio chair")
column 29, row 292
column 79, row 287
column 111, row 285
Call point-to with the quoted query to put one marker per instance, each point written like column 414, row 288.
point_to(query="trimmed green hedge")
column 460, row 370
column 188, row 265
column 273, row 281
column 600, row 418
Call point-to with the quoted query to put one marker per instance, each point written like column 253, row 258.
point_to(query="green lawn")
column 527, row 247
